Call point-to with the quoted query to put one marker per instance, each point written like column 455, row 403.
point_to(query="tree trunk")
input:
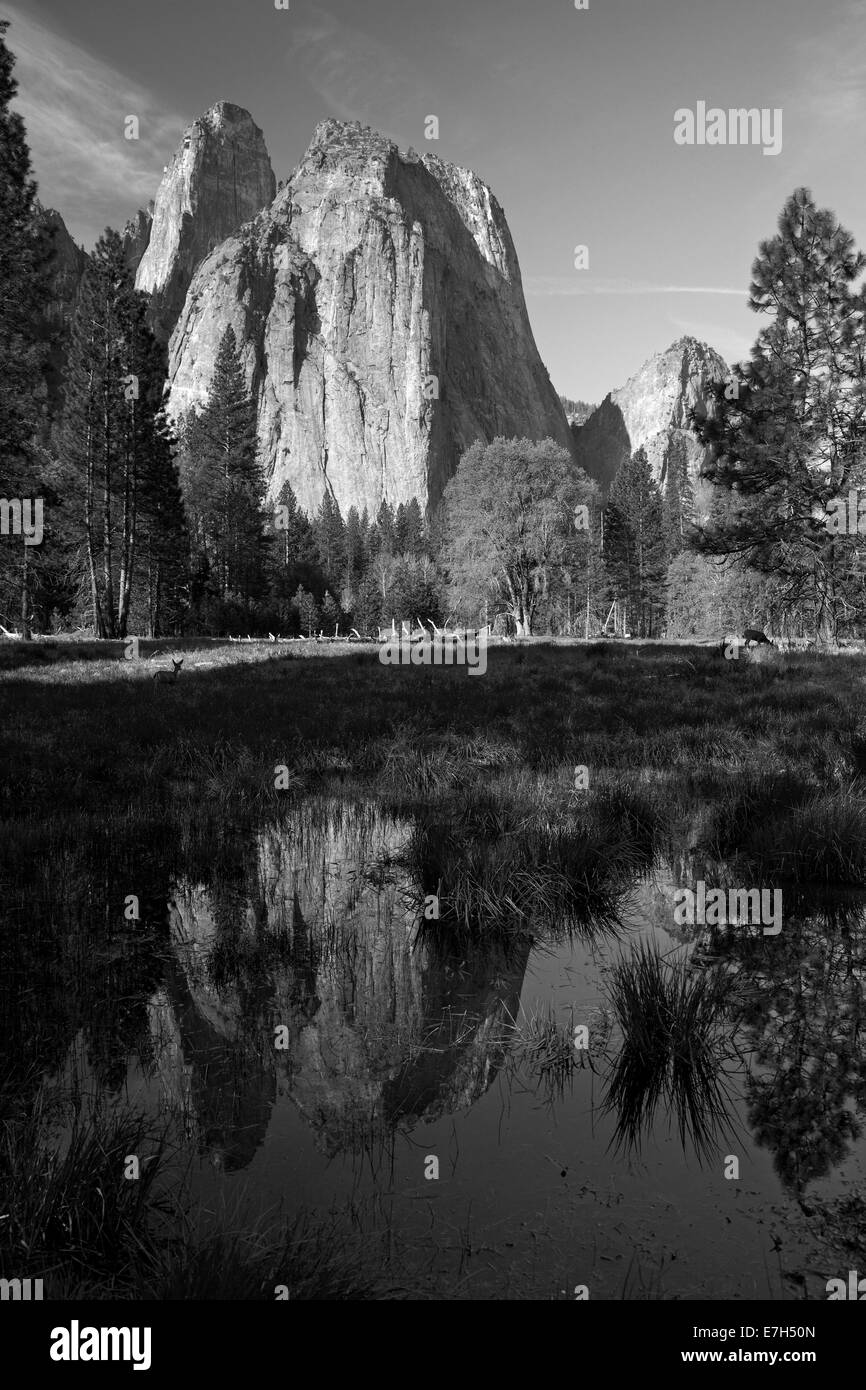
column 25, row 599
column 108, row 614
column 130, row 499
column 827, row 615
column 98, row 624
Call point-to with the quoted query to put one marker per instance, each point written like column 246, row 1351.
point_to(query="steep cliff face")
column 136, row 236
column 380, row 315
column 650, row 412
column 65, row 273
column 219, row 178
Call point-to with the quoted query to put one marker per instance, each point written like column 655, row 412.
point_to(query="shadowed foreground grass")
column 777, row 747
column 72, row 1218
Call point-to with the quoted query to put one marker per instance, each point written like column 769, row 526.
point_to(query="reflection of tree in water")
column 75, row 976
column 802, row 1017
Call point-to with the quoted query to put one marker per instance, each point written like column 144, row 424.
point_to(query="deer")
column 168, row 677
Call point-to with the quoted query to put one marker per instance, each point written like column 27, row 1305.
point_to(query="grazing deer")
column 754, row 634
column 168, row 677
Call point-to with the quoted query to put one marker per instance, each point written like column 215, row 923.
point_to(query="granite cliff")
column 378, row 307
column 65, row 272
column 135, row 236
column 650, row 412
column 219, row 178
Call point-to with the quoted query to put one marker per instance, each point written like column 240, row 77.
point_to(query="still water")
column 276, row 1008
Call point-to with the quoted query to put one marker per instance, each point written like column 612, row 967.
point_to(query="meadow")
column 744, row 772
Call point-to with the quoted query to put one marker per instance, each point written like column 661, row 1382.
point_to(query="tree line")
column 161, row 527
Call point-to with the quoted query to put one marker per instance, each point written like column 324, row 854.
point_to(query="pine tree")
column 295, row 557
column 415, row 530
column 164, row 544
column 223, row 482
column 400, row 531
column 679, row 496
column 330, row 614
column 331, row 540
column 307, row 611
column 23, row 293
column 634, row 545
column 385, row 540
column 409, row 530
column 788, row 430
column 356, row 557
column 111, row 426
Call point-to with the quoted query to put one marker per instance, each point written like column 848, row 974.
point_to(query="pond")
column 490, row 1110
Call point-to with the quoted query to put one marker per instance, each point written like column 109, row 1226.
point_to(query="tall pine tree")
column 224, row 485
column 23, row 292
column 678, row 495
column 331, row 540
column 789, row 431
column 634, row 545
column 111, row 429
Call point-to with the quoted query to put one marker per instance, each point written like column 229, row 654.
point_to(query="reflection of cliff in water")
column 320, row 939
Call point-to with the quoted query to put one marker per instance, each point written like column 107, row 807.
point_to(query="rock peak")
column 380, row 318
column 219, row 177
column 651, row 411
column 696, row 347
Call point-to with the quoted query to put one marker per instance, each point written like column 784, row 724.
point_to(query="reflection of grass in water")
column 507, row 865
column 70, row 1215
column 532, row 1044
column 544, row 1049
column 240, row 1263
column 639, row 1288
column 675, row 1043
column 71, row 1218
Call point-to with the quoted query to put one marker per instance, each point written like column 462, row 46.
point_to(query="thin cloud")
column 732, row 345
column 561, row 286
column 834, row 85
column 356, row 76
column 74, row 107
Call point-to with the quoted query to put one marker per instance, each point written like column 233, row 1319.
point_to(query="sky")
column 568, row 114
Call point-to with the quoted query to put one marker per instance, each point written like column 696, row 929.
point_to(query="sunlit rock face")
column 136, row 236
column 380, row 315
column 322, row 941
column 219, row 177
column 651, row 412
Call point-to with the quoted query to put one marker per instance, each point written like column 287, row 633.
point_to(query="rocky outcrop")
column 66, row 268
column 220, row 177
column 136, row 236
column 380, row 316
column 652, row 411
